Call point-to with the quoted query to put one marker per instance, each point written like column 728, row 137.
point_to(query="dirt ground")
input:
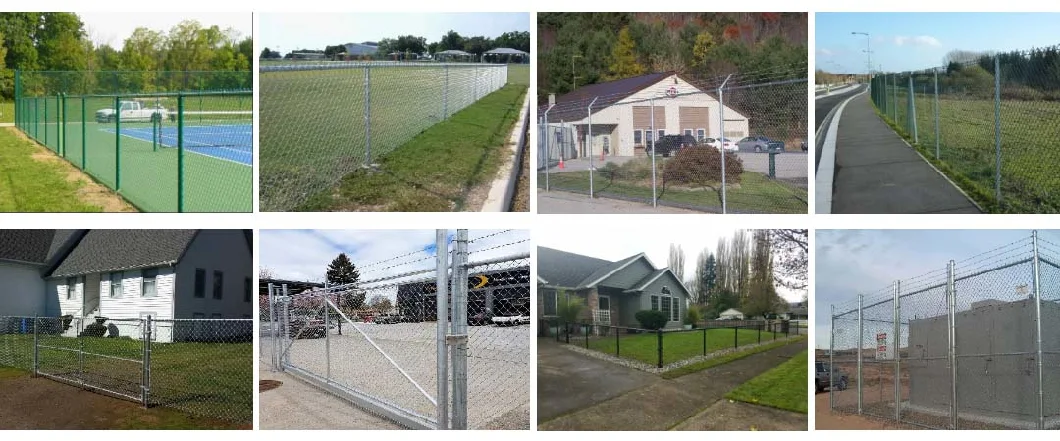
column 39, row 403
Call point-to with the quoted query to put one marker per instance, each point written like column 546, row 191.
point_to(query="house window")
column 115, row 285
column 661, row 133
column 675, row 310
column 688, row 132
column 648, row 138
column 149, row 283
column 607, row 144
column 654, row 303
column 665, row 291
column 701, row 134
column 198, row 315
column 71, row 288
column 603, row 303
column 218, row 284
column 550, row 301
column 638, row 136
column 247, row 289
column 666, row 306
column 200, row 283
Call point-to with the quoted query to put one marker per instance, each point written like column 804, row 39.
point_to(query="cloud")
column 919, row 40
column 825, row 52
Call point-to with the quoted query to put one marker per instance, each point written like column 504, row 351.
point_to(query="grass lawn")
column 209, row 379
column 7, row 111
column 756, row 193
column 677, row 346
column 436, row 169
column 967, row 147
column 313, row 123
column 783, row 387
column 519, row 74
column 717, row 361
column 29, row 184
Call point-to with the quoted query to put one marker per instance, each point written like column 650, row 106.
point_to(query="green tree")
column 624, row 62
column 701, row 51
column 380, row 303
column 341, row 271
column 451, row 40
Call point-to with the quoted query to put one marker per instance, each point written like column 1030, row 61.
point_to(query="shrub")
column 692, row 316
column 66, row 320
column 651, row 319
column 701, row 166
column 568, row 306
column 94, row 330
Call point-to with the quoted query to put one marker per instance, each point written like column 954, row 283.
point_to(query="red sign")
column 671, row 92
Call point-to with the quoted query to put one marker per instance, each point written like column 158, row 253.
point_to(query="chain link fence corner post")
column 459, row 331
column 831, row 359
column 548, row 150
column 897, row 324
column 180, row 152
column 589, row 145
column 36, row 344
column 951, row 294
column 721, row 143
column 997, row 129
column 117, row 143
column 84, row 139
column 861, row 346
column 442, row 348
column 654, row 194
column 1038, row 331
column 367, row 115
column 911, row 112
column 937, row 153
column 145, row 381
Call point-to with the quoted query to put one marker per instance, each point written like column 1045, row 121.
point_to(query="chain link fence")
column 321, row 121
column 163, row 151
column 427, row 340
column 664, row 147
column 200, row 366
column 988, row 122
column 968, row 346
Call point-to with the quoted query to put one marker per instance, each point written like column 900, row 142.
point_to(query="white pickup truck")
column 135, row 111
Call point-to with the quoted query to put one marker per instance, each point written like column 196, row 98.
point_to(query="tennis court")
column 229, row 142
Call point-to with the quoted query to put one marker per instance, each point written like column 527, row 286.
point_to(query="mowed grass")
column 755, row 193
column 314, row 131
column 7, row 111
column 968, row 151
column 436, row 170
column 149, row 177
column 677, row 346
column 727, row 358
column 29, row 184
column 783, row 387
column 519, row 74
column 208, row 379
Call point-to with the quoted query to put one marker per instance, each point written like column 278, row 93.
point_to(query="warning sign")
column 671, row 92
column 884, row 351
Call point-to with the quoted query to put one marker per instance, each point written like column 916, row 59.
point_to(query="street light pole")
column 868, row 52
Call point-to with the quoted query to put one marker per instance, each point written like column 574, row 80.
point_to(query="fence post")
column 548, row 151
column 117, row 143
column 654, row 195
column 760, row 332
column 145, row 381
column 936, row 113
column 911, row 111
column 272, row 325
column 997, row 128
column 81, row 353
column 36, row 343
column 659, row 340
column 445, row 95
column 585, row 333
column 861, row 346
column 831, row 359
column 286, row 323
column 704, row 342
column 46, row 121
column 721, row 141
column 951, row 291
column 589, row 146
column 62, row 117
column 459, row 329
column 368, row 116
column 617, row 342
column 84, row 142
column 18, row 109
column 566, row 332
column 327, row 340
column 897, row 350
column 735, row 337
column 894, row 100
column 180, row 152
column 441, row 237
column 1038, row 331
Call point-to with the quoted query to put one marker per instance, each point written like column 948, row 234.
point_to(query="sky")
column 284, row 32
column 114, row 27
column 852, row 262
column 914, row 41
column 654, row 243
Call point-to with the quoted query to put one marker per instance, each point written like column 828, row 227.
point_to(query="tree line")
column 743, row 272
column 152, row 60
column 413, row 45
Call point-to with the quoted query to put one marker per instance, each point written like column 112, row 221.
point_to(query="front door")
column 603, row 308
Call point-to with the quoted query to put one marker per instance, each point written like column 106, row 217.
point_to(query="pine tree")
column 343, row 272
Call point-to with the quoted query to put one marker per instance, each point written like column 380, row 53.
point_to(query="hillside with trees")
column 575, row 49
column 58, row 41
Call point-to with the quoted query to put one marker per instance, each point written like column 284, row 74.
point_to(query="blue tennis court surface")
column 230, row 142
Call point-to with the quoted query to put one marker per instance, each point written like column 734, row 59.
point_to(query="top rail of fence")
column 362, row 64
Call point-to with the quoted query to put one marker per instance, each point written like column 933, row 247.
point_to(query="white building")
column 731, row 314
column 622, row 114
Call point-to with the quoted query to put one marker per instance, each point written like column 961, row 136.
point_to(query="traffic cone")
column 561, row 163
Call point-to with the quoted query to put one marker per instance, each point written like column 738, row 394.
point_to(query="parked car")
column 669, row 145
column 803, row 145
column 824, row 373
column 306, row 327
column 760, row 144
column 512, row 320
column 727, row 143
column 388, row 319
column 480, row 318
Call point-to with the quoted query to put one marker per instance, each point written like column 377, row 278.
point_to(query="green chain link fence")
column 164, row 141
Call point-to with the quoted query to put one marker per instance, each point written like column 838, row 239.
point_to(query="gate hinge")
column 453, row 340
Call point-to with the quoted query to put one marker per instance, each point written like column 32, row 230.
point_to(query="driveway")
column 568, row 381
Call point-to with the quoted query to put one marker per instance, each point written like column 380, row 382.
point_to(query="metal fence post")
column 1038, row 331
column 831, row 359
column 654, row 195
column 659, row 340
column 617, row 343
column 442, row 300
column 286, row 320
column 84, row 139
column 327, row 340
column 81, row 353
column 952, row 313
column 936, row 113
column 589, row 146
column 997, row 128
column 36, row 347
column 146, row 380
column 894, row 100
column 861, row 346
column 911, row 111
column 721, row 141
column 735, row 337
column 548, row 150
column 62, row 119
column 445, row 95
column 459, row 329
column 760, row 333
column 180, row 152
column 897, row 350
column 117, row 143
column 585, row 333
column 272, row 325
column 368, row 116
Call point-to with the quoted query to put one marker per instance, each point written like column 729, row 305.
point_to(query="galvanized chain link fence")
column 969, row 346
column 663, row 147
column 198, row 366
column 988, row 121
column 385, row 342
column 162, row 148
column 321, row 121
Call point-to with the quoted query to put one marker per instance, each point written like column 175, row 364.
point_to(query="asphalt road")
column 821, row 108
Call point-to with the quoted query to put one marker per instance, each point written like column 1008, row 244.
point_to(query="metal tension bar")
column 453, row 340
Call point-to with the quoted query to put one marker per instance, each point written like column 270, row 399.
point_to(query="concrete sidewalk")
column 665, row 404
column 876, row 172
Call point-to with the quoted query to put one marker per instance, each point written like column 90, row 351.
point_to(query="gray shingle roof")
column 609, row 92
column 112, row 250
column 643, row 283
column 31, row 246
column 602, row 271
column 565, row 269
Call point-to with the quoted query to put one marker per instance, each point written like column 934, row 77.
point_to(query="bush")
column 651, row 319
column 692, row 316
column 94, row 330
column 701, row 166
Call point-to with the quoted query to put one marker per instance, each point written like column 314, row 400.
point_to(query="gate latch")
column 454, row 340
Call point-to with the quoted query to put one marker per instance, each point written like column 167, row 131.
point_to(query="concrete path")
column 665, row 404
column 876, row 172
column 735, row 415
column 297, row 405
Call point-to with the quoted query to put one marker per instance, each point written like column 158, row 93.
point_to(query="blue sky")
column 913, row 41
column 285, row 32
column 852, row 262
